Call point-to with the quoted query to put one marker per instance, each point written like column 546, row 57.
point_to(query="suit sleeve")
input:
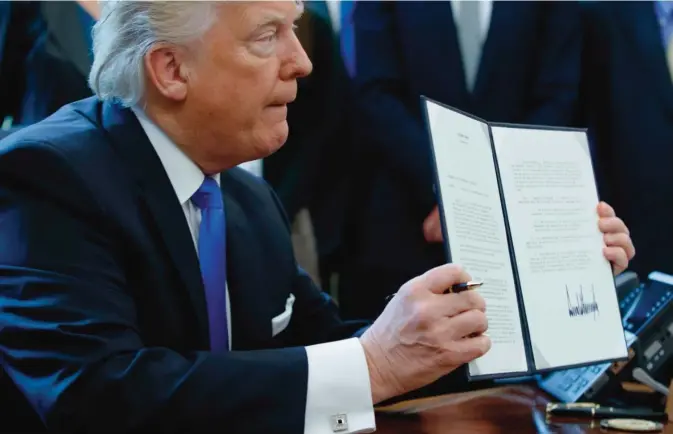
column 554, row 95
column 390, row 115
column 69, row 335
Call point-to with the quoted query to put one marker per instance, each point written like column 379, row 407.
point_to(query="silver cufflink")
column 339, row 423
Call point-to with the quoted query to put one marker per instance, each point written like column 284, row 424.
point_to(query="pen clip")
column 466, row 286
column 571, row 406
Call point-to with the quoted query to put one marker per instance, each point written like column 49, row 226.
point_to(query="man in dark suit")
column 627, row 95
column 16, row 39
column 502, row 61
column 46, row 58
column 149, row 285
column 58, row 64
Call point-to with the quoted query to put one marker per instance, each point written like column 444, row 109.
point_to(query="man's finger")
column 605, row 210
column 621, row 240
column 466, row 350
column 464, row 324
column 617, row 256
column 612, row 225
column 441, row 278
column 432, row 227
column 450, row 305
column 433, row 234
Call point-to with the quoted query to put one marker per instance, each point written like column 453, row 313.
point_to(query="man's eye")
column 269, row 37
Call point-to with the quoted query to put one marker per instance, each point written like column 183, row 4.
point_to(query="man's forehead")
column 261, row 13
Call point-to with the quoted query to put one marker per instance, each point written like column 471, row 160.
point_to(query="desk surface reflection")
column 518, row 410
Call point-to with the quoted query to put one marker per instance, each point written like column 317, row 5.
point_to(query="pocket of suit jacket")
column 280, row 322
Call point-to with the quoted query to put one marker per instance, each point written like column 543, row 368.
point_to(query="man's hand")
column 432, row 228
column 619, row 248
column 423, row 334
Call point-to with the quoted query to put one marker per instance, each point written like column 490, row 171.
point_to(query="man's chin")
column 278, row 136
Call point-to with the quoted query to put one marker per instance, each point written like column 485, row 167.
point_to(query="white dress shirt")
column 255, row 167
column 486, row 8
column 485, row 11
column 338, row 377
column 334, row 10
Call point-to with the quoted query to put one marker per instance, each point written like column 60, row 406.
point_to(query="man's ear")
column 166, row 70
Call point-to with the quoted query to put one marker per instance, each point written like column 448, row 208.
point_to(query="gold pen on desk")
column 562, row 408
column 596, row 411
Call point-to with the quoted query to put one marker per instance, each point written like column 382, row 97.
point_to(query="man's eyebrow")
column 300, row 13
column 300, row 10
column 276, row 19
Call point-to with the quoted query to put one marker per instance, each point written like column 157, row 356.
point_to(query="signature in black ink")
column 581, row 307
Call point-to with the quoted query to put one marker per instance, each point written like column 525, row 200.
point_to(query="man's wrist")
column 379, row 387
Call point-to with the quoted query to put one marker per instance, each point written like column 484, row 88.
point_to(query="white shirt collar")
column 185, row 176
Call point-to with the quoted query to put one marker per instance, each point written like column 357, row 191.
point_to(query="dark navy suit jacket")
column 628, row 95
column 103, row 324
column 529, row 73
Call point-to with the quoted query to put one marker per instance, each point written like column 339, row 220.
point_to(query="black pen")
column 466, row 286
column 596, row 411
column 455, row 289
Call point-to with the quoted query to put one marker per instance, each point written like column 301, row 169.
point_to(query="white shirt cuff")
column 338, row 389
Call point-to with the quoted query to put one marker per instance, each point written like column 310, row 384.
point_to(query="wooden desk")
column 519, row 410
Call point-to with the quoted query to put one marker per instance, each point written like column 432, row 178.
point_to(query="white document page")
column 567, row 284
column 476, row 231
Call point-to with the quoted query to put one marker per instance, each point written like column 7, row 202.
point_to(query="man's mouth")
column 283, row 102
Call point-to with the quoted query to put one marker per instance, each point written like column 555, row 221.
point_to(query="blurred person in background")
column 502, row 61
column 308, row 172
column 46, row 58
column 627, row 102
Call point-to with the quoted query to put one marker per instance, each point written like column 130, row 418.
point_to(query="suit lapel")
column 250, row 319
column 158, row 197
column 433, row 25
column 439, row 15
column 640, row 21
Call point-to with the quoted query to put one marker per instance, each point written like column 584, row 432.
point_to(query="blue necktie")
column 212, row 257
column 348, row 35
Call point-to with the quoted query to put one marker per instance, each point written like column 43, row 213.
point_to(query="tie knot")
column 208, row 195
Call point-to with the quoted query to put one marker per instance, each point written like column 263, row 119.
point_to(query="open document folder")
column 518, row 210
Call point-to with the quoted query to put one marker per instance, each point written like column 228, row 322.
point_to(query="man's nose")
column 304, row 65
column 298, row 65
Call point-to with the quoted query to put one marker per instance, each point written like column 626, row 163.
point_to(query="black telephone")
column 648, row 312
column 647, row 316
